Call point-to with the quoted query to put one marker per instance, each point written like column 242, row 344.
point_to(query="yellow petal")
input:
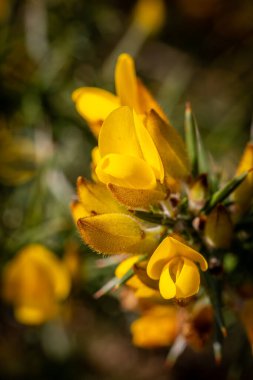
column 34, row 315
column 170, row 146
column 246, row 162
column 94, row 104
column 155, row 330
column 95, row 157
column 124, row 267
column 146, row 292
column 96, row 198
column 243, row 195
column 188, row 280
column 125, row 81
column 118, row 134
column 148, row 148
column 169, row 249
column 112, row 233
column 126, row 171
column 137, row 198
column 147, row 102
column 167, row 286
column 78, row 210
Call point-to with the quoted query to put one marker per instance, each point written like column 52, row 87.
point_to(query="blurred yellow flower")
column 34, row 282
column 156, row 328
column 149, row 15
column 95, row 104
column 174, row 264
column 17, row 158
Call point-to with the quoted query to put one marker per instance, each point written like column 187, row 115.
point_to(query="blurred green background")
column 202, row 53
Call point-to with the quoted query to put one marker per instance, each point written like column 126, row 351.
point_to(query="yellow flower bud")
column 198, row 193
column 218, row 231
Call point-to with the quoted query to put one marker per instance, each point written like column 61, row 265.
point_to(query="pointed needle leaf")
column 220, row 195
column 116, row 282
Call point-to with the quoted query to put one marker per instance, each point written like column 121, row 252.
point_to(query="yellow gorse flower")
column 157, row 327
column 129, row 157
column 95, row 104
column 34, row 282
column 174, row 264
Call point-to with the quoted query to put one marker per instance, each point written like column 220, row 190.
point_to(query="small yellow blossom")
column 95, row 104
column 156, row 328
column 34, row 282
column 174, row 264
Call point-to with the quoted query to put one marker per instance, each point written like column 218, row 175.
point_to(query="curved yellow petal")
column 78, row 210
column 125, row 81
column 167, row 286
column 181, row 249
column 96, row 198
column 159, row 259
column 135, row 198
column 124, row 267
column 148, row 148
column 147, row 102
column 169, row 249
column 111, row 233
column 94, row 104
column 126, row 171
column 243, row 195
column 118, row 135
column 188, row 280
column 170, row 146
column 34, row 316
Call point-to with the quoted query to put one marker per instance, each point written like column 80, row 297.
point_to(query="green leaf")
column 157, row 218
column 195, row 148
column 220, row 195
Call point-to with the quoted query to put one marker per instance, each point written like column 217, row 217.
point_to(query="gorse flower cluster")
column 155, row 201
